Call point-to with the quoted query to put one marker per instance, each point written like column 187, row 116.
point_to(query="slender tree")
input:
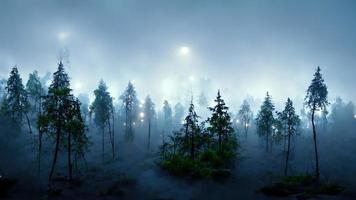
column 265, row 118
column 167, row 112
column 102, row 107
column 61, row 117
column 245, row 115
column 291, row 119
column 17, row 99
column 192, row 130
column 130, row 104
column 316, row 99
column 149, row 114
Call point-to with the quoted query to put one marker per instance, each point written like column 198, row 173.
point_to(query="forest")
column 58, row 145
column 177, row 99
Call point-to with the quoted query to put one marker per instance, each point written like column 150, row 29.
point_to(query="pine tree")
column 220, row 122
column 102, row 107
column 35, row 91
column 245, row 115
column 167, row 111
column 191, row 130
column 149, row 114
column 178, row 114
column 291, row 119
column 265, row 118
column 316, row 99
column 61, row 118
column 130, row 103
column 17, row 99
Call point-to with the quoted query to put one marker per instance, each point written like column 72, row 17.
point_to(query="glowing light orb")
column 184, row 50
column 142, row 120
column 237, row 121
column 142, row 114
column 191, row 78
column 77, row 86
column 63, row 35
column 355, row 116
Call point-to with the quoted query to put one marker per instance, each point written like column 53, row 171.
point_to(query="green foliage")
column 16, row 97
column 130, row 104
column 201, row 152
column 317, row 93
column 102, row 106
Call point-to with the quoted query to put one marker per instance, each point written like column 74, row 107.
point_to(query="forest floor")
column 135, row 175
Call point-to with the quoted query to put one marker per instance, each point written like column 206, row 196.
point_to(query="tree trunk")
column 39, row 151
column 111, row 140
column 317, row 173
column 28, row 123
column 55, row 154
column 102, row 145
column 69, row 157
column 287, row 157
column 149, row 136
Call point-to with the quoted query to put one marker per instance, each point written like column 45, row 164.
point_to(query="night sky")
column 243, row 47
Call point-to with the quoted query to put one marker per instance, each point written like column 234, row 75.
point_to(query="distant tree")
column 150, row 113
column 245, row 114
column 220, row 121
column 167, row 112
column 265, row 118
column 130, row 103
column 178, row 114
column 17, row 99
column 102, row 107
column 35, row 91
column 202, row 101
column 2, row 88
column 291, row 119
column 61, row 118
column 316, row 100
column 342, row 113
column 84, row 106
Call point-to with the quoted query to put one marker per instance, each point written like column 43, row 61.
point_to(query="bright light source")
column 247, row 125
column 191, row 78
column 237, row 121
column 141, row 120
column 77, row 86
column 63, row 35
column 142, row 101
column 355, row 116
column 142, row 114
column 140, row 105
column 133, row 123
column 183, row 121
column 319, row 112
column 184, row 50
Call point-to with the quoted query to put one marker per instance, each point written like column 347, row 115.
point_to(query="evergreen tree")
column 130, row 103
column 220, row 121
column 150, row 113
column 167, row 112
column 265, row 118
column 178, row 114
column 35, row 91
column 316, row 99
column 17, row 99
column 102, row 107
column 191, row 130
column 245, row 115
column 291, row 119
column 61, row 118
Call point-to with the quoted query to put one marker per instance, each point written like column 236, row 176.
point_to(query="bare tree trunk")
column 28, row 123
column 55, row 154
column 102, row 145
column 39, row 151
column 317, row 173
column 111, row 140
column 287, row 157
column 69, row 157
column 149, row 136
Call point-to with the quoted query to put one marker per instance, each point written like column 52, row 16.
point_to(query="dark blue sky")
column 243, row 47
